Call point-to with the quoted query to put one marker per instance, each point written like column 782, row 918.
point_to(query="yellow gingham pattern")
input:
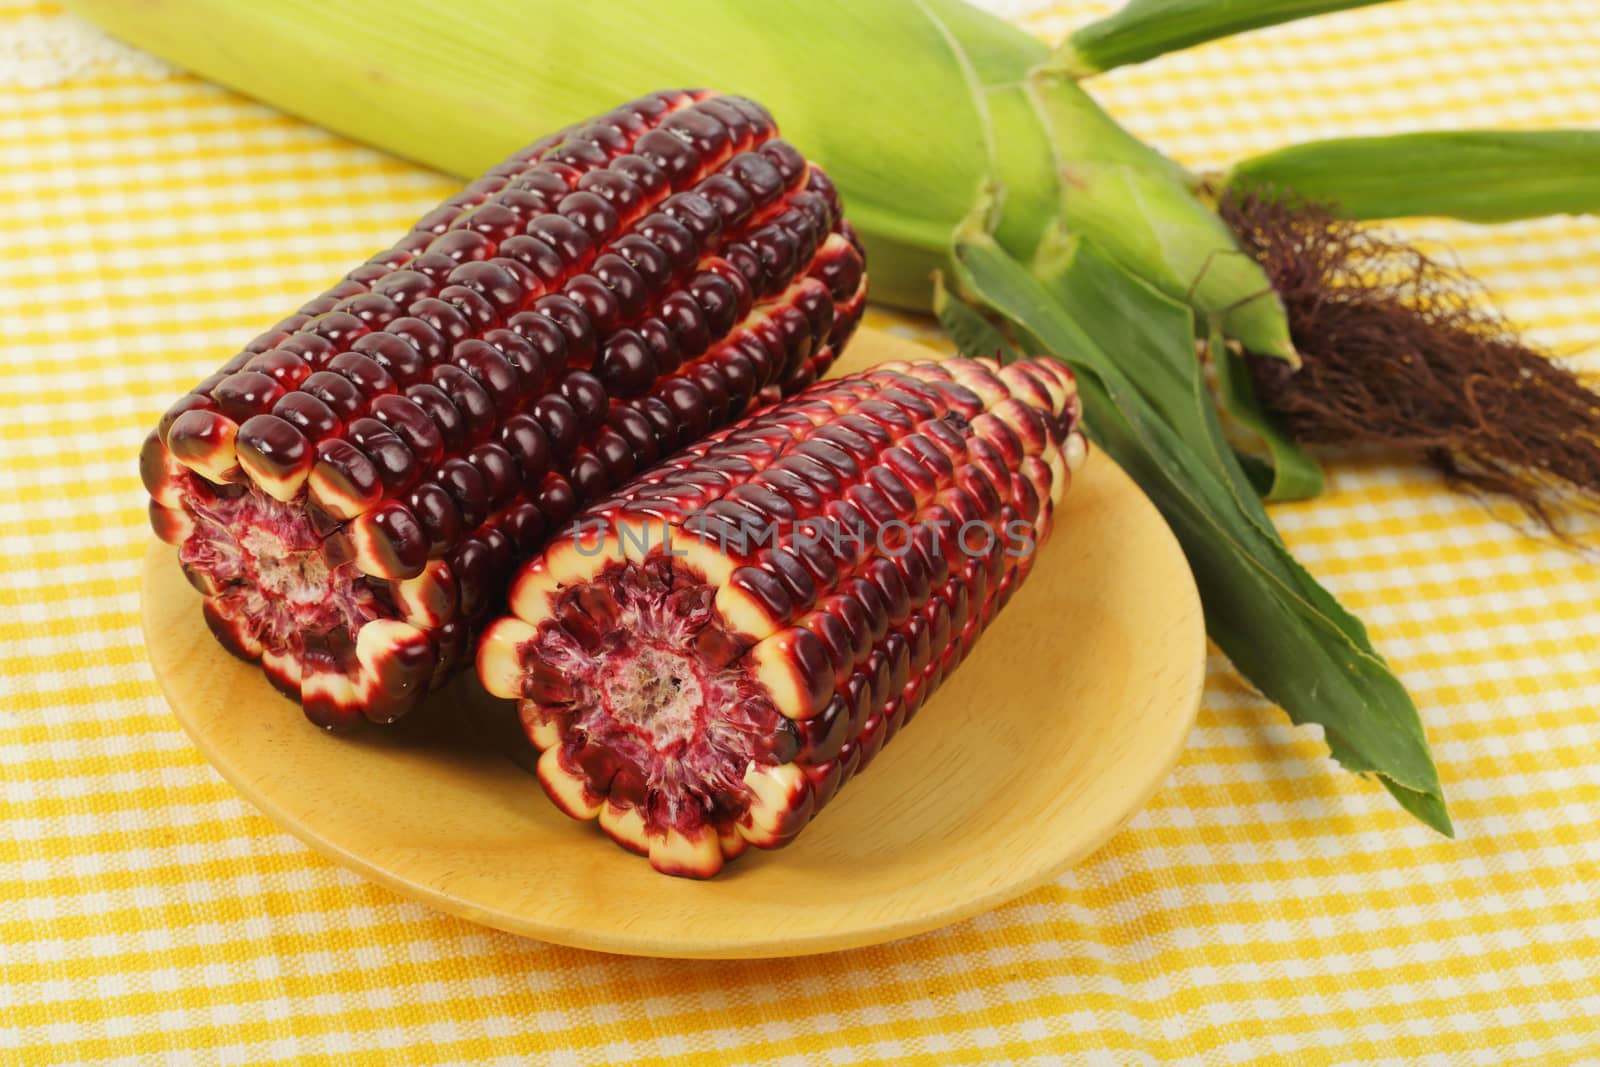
column 1264, row 906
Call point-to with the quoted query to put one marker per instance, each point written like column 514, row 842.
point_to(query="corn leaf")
column 1476, row 175
column 973, row 334
column 1292, row 473
column 1148, row 406
column 1145, row 29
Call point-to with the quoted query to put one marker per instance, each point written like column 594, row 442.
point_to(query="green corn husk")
column 1476, row 175
column 1291, row 473
column 1140, row 208
column 913, row 106
column 1145, row 29
column 1146, row 404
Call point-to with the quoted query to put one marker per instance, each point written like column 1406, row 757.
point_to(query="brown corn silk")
column 352, row 491
column 705, row 658
column 1403, row 352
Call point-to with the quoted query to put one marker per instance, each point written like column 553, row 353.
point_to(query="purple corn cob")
column 352, row 491
column 717, row 647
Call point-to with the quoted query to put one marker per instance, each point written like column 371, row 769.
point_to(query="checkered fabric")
column 1265, row 906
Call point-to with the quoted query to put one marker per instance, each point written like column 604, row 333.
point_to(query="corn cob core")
column 709, row 653
column 351, row 491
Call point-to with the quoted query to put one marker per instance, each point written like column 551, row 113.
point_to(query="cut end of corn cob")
column 712, row 651
column 351, row 492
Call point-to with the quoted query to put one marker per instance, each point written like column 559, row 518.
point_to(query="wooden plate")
column 1057, row 730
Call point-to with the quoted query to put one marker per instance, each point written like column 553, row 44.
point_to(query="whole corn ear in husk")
column 720, row 645
column 942, row 113
column 352, row 490
column 460, row 85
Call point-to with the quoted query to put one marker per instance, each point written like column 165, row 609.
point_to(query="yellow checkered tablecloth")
column 1264, row 906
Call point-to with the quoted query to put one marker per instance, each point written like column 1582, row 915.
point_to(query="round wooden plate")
column 1055, row 732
